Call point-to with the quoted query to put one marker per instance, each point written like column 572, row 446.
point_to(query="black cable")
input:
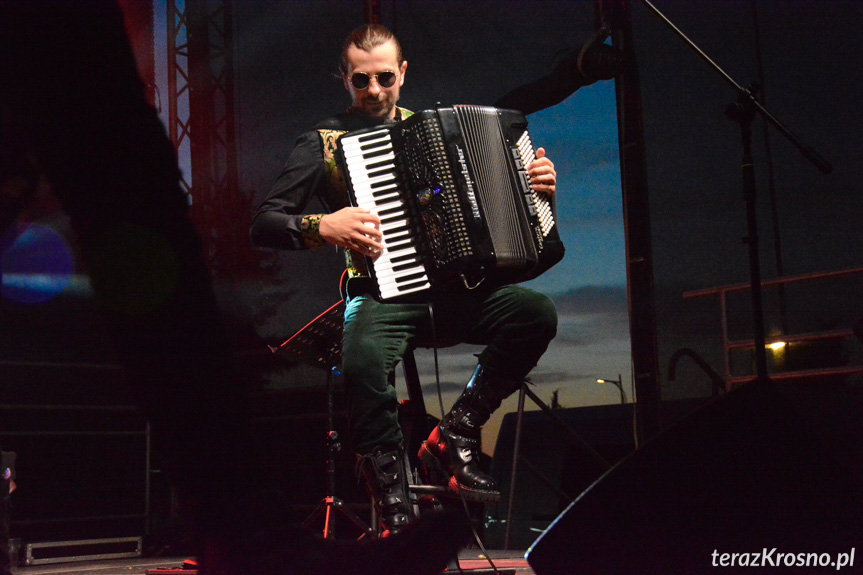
column 476, row 535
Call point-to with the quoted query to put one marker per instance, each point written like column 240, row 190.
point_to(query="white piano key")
column 405, row 255
column 370, row 201
column 392, row 243
column 383, row 206
column 367, row 179
column 366, row 189
column 366, row 173
column 389, row 267
column 353, row 144
column 363, row 161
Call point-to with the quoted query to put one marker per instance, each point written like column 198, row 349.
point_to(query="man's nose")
column 374, row 87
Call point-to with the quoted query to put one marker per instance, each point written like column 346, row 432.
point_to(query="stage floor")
column 470, row 561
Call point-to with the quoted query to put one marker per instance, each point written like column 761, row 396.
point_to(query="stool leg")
column 515, row 452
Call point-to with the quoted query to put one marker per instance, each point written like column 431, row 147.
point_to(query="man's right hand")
column 353, row 228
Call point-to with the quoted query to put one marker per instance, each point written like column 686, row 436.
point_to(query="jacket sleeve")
column 281, row 220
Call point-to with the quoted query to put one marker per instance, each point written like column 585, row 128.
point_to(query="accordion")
column 451, row 190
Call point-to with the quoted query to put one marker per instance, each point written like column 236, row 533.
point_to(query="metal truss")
column 201, row 117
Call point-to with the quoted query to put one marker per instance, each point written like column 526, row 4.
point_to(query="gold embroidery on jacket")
column 328, row 146
column 310, row 228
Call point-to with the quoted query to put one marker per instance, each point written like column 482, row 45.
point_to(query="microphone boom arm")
column 810, row 154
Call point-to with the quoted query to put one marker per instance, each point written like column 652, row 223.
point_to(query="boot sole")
column 436, row 475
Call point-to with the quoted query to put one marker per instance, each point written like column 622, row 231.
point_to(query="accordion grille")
column 444, row 227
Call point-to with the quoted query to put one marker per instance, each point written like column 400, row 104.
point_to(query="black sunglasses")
column 361, row 80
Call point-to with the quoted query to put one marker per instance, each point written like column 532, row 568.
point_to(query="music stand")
column 319, row 344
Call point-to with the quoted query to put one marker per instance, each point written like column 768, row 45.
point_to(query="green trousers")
column 514, row 323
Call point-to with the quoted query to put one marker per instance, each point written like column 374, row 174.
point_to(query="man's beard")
column 378, row 108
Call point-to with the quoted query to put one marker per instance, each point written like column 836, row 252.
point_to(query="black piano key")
column 376, row 165
column 406, row 266
column 367, row 143
column 378, row 135
column 395, row 209
column 411, row 256
column 393, row 218
column 396, row 233
column 416, row 284
column 380, row 193
column 372, row 153
column 380, row 172
column 410, row 278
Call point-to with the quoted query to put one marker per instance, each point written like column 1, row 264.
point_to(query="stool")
column 416, row 427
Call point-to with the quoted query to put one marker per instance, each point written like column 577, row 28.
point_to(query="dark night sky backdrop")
column 812, row 79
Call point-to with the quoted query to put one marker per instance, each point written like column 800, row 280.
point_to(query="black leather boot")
column 450, row 455
column 386, row 481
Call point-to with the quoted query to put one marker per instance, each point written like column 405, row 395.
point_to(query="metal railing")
column 730, row 345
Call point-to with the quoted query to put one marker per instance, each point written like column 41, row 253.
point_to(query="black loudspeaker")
column 554, row 466
column 737, row 483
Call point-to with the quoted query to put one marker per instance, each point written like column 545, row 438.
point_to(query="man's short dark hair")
column 366, row 38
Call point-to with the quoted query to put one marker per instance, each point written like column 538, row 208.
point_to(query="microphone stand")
column 743, row 112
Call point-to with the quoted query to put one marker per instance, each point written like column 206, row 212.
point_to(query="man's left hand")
column 541, row 172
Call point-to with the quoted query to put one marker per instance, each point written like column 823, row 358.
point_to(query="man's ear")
column 402, row 72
